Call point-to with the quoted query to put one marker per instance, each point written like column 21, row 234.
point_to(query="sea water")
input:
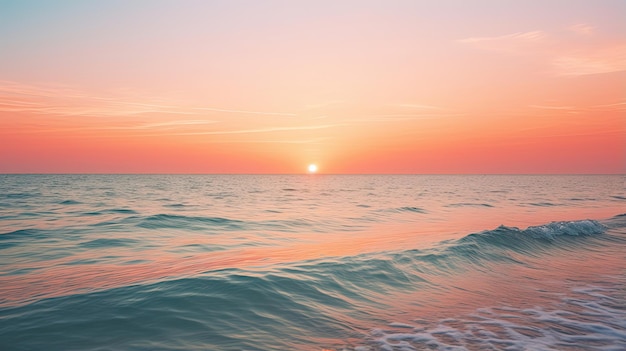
column 312, row 262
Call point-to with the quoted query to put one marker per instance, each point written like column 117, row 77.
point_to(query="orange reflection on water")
column 537, row 281
column 64, row 276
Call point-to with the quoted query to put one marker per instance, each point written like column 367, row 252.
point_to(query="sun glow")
column 312, row 168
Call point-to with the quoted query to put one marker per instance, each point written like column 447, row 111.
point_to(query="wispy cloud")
column 566, row 54
column 605, row 60
column 174, row 124
column 512, row 43
column 521, row 36
column 262, row 130
column 214, row 109
column 65, row 101
column 548, row 107
column 270, row 141
column 616, row 105
column 397, row 117
column 418, row 106
column 581, row 29
column 322, row 105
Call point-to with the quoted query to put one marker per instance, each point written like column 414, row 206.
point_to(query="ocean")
column 312, row 262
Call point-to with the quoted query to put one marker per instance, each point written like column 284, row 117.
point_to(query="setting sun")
column 312, row 168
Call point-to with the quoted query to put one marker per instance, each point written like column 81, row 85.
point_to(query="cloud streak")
column 567, row 55
column 561, row 108
column 417, row 106
column 263, row 130
column 511, row 43
column 63, row 101
column 605, row 60
column 582, row 29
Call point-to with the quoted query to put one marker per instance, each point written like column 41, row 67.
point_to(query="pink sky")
column 353, row 86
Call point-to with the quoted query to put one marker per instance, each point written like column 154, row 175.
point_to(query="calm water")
column 217, row 262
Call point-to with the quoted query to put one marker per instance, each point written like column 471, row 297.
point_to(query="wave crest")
column 550, row 232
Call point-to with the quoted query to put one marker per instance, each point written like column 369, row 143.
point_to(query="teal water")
column 217, row 262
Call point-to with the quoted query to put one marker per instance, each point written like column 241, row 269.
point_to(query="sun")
column 312, row 168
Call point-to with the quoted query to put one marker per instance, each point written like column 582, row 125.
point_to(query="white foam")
column 573, row 228
column 588, row 318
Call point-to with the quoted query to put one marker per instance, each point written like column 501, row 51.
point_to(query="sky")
column 236, row 86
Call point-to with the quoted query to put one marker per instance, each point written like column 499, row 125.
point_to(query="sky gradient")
column 272, row 86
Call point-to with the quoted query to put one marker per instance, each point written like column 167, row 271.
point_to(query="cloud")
column 418, row 106
column 605, row 60
column 567, row 55
column 174, row 124
column 323, row 104
column 270, row 141
column 397, row 117
column 544, row 107
column 214, row 109
column 617, row 105
column 512, row 43
column 582, row 29
column 524, row 36
column 65, row 101
column 262, row 130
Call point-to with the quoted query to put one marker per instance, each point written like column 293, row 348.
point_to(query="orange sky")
column 353, row 86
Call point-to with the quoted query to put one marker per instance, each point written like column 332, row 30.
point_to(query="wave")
column 168, row 221
column 508, row 236
column 542, row 204
column 294, row 305
column 408, row 209
column 16, row 237
column 110, row 211
column 469, row 204
column 591, row 320
column 20, row 195
column 100, row 243
column 220, row 224
column 70, row 202
column 162, row 221
column 21, row 233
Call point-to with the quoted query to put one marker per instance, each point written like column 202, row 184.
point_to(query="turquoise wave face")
column 302, row 305
column 311, row 263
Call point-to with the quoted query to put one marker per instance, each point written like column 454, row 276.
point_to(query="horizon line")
column 311, row 174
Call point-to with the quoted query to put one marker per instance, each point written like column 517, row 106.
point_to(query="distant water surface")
column 312, row 262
